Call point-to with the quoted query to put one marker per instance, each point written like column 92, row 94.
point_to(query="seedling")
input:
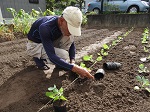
column 146, row 50
column 120, row 38
column 114, row 42
column 89, row 58
column 56, row 94
column 105, row 47
column 144, row 83
column 103, row 53
column 84, row 66
column 142, row 69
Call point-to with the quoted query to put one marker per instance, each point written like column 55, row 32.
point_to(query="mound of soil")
column 23, row 86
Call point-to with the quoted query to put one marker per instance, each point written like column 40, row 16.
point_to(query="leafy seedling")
column 144, row 83
column 146, row 50
column 88, row 58
column 103, row 53
column 84, row 66
column 56, row 94
column 105, row 47
column 143, row 69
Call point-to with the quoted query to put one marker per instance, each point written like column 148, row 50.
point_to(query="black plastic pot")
column 59, row 106
column 111, row 65
column 99, row 74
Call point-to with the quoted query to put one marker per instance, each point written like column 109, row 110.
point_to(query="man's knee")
column 62, row 53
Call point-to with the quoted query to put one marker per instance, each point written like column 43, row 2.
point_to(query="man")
column 50, row 40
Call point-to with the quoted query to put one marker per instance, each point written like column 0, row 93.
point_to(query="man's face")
column 64, row 28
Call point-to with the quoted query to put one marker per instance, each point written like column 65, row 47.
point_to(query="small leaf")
column 148, row 89
column 82, row 65
column 61, row 90
column 105, row 54
column 62, row 98
column 56, row 98
column 51, row 88
column 55, row 90
column 50, row 94
column 139, row 78
column 99, row 58
column 87, row 58
column 141, row 66
column 105, row 46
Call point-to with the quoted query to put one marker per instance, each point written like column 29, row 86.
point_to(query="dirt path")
column 23, row 87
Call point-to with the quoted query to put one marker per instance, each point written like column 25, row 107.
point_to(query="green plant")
column 103, row 52
column 84, row 20
column 145, row 49
column 144, row 83
column 55, row 94
column 22, row 21
column 89, row 58
column 142, row 69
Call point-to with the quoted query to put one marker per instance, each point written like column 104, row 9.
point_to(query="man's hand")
column 82, row 72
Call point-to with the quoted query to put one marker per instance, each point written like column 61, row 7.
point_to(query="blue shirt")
column 45, row 30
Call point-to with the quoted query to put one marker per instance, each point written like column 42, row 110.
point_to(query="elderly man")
column 50, row 40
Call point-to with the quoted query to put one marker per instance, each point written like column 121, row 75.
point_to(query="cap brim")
column 74, row 31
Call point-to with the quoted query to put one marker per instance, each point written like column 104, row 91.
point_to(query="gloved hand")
column 82, row 72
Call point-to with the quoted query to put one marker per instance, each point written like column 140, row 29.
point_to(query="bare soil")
column 23, row 86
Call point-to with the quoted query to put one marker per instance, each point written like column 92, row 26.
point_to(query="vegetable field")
column 23, row 86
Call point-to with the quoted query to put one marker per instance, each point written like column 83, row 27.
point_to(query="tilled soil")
column 23, row 86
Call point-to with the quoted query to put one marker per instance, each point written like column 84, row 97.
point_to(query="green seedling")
column 55, row 94
column 84, row 66
column 103, row 53
column 144, row 39
column 88, row 58
column 144, row 83
column 146, row 50
column 146, row 30
column 142, row 69
column 105, row 47
column 120, row 37
column 114, row 43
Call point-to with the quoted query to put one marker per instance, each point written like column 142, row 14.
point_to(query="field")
column 23, row 86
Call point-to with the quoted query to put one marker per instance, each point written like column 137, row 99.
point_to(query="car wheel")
column 133, row 9
column 97, row 11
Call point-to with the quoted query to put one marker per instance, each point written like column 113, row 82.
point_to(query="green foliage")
column 84, row 66
column 145, row 49
column 88, row 58
column 55, row 94
column 48, row 12
column 144, row 39
column 22, row 21
column 103, row 52
column 105, row 47
column 144, row 83
column 142, row 69
column 84, row 20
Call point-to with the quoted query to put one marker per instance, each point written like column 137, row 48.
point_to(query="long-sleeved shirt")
column 45, row 30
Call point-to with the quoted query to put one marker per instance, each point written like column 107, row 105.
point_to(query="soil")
column 23, row 86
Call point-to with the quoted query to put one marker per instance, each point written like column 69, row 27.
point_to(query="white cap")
column 73, row 16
